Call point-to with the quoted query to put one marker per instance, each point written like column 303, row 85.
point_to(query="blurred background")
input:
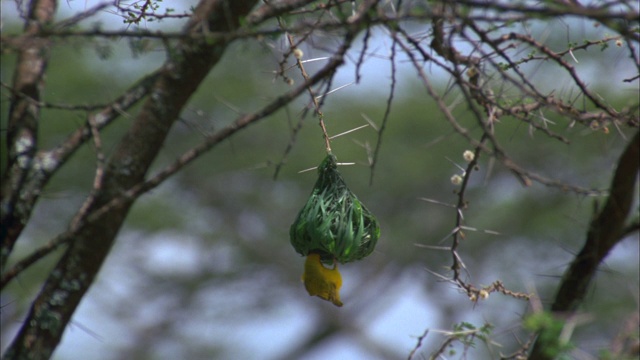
column 203, row 268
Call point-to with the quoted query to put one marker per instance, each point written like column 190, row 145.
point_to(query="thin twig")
column 387, row 110
column 418, row 345
column 314, row 99
column 97, row 180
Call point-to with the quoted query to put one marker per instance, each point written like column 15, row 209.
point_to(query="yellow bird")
column 320, row 281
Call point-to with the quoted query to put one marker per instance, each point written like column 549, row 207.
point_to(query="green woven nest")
column 334, row 222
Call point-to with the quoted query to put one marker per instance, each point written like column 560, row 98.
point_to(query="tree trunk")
column 69, row 281
column 606, row 229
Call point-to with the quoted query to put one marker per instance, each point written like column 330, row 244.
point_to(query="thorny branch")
column 314, row 99
column 491, row 55
column 476, row 91
column 298, row 54
column 189, row 156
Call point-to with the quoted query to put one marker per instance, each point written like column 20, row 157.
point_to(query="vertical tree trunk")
column 22, row 131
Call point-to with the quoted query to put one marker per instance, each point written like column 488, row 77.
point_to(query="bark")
column 22, row 129
column 71, row 278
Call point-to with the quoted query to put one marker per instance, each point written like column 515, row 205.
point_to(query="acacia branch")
column 191, row 155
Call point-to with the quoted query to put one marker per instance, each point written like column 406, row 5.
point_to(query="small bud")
column 472, row 72
column 619, row 43
column 484, row 294
column 473, row 297
column 468, row 155
column 298, row 53
column 456, row 179
column 289, row 81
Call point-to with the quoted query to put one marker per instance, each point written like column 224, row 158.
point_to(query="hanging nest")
column 333, row 222
column 333, row 226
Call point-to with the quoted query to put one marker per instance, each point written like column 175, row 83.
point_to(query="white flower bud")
column 468, row 155
column 484, row 294
column 298, row 53
column 456, row 179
